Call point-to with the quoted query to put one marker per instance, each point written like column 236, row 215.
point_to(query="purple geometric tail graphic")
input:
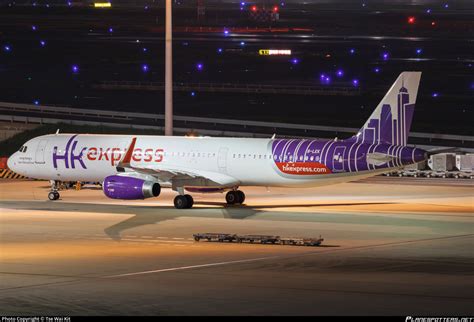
column 391, row 121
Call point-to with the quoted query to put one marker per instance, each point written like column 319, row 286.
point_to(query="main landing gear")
column 235, row 197
column 53, row 194
column 183, row 201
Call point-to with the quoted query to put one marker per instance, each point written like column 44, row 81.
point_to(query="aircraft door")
column 222, row 160
column 338, row 158
column 40, row 149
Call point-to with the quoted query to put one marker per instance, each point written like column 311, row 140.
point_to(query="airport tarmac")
column 393, row 246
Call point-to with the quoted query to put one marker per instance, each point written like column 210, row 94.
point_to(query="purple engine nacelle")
column 118, row 187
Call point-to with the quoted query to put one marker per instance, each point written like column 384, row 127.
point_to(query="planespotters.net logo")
column 438, row 319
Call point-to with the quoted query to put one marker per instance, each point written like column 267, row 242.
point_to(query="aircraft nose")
column 11, row 163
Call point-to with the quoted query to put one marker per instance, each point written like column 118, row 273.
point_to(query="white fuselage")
column 250, row 161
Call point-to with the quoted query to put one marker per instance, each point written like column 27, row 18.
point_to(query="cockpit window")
column 21, row 149
column 24, row 150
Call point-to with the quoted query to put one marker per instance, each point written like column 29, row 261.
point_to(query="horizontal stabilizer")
column 378, row 158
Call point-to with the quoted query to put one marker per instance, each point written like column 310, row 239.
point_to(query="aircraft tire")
column 240, row 196
column 190, row 201
column 180, row 202
column 231, row 197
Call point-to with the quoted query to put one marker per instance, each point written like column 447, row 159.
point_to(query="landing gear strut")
column 235, row 197
column 183, row 201
column 53, row 194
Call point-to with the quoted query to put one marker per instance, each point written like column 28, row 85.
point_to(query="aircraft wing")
column 178, row 176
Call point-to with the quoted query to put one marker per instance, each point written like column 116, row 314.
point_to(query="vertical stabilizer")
column 391, row 121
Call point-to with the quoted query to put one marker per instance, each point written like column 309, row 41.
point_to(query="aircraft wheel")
column 231, row 197
column 180, row 202
column 241, row 196
column 189, row 200
column 53, row 195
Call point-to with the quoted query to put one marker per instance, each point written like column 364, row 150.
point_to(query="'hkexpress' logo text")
column 71, row 157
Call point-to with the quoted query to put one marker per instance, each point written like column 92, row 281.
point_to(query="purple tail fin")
column 391, row 121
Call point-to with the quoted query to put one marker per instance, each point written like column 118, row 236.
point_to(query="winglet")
column 125, row 162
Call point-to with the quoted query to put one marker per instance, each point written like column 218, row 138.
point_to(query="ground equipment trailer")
column 215, row 237
column 301, row 241
column 260, row 239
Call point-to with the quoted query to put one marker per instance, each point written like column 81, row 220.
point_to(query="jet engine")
column 118, row 187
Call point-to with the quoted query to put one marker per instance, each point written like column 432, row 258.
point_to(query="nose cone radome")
column 11, row 162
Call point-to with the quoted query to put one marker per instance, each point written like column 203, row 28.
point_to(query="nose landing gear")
column 53, row 194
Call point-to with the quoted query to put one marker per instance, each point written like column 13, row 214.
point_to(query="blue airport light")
column 111, row 30
column 42, row 43
column 75, row 69
column 339, row 73
column 145, row 68
column 355, row 82
column 242, row 43
column 219, row 50
column 33, row 28
column 7, row 48
column 428, row 10
column 324, row 79
column 226, row 32
column 352, row 51
column 242, row 3
column 446, row 6
column 435, row 94
column 199, row 66
column 295, row 61
column 377, row 70
column 193, row 94
column 36, row 102
column 385, row 56
column 419, row 51
column 144, row 49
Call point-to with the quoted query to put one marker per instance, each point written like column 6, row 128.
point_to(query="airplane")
column 138, row 166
